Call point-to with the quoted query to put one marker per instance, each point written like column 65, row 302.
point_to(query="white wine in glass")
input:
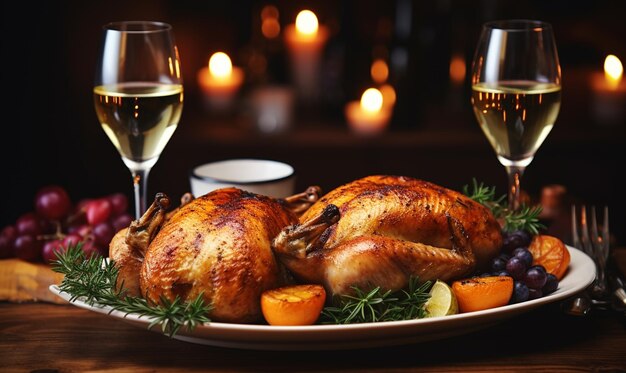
column 138, row 95
column 516, row 92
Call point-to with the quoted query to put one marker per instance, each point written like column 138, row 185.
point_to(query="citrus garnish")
column 293, row 305
column 481, row 293
column 442, row 300
column 551, row 253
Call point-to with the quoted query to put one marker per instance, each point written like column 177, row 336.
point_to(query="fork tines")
column 595, row 243
column 585, row 234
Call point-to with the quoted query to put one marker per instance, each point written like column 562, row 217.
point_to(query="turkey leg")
column 141, row 231
column 299, row 239
column 128, row 246
column 299, row 203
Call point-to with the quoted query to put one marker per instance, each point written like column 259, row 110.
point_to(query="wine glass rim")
column 512, row 25
column 137, row 26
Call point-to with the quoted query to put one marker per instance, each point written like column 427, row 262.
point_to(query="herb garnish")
column 93, row 281
column 526, row 218
column 378, row 305
column 486, row 196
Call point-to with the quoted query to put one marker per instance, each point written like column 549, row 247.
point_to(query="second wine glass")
column 138, row 95
column 516, row 92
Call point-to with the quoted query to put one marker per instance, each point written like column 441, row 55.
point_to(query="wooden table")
column 42, row 337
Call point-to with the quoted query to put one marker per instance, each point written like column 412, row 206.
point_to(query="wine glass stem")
column 140, row 186
column 515, row 175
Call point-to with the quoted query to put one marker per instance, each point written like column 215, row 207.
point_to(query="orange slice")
column 551, row 253
column 293, row 305
column 481, row 293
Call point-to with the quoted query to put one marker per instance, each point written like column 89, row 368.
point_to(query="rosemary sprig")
column 378, row 305
column 481, row 193
column 486, row 196
column 93, row 280
column 526, row 218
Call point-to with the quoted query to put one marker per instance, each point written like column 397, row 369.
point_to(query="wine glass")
column 138, row 95
column 516, row 92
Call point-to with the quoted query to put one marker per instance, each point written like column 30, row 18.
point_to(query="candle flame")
column 613, row 70
column 372, row 100
column 220, row 65
column 306, row 23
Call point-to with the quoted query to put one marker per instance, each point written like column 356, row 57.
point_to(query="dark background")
column 51, row 134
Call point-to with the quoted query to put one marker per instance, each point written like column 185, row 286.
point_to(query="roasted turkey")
column 217, row 245
column 382, row 230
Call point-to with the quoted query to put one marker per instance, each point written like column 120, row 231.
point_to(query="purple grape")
column 119, row 203
column 71, row 239
column 50, row 249
column 120, row 222
column 6, row 247
column 502, row 273
column 28, row 224
column 524, row 254
column 504, row 256
column 92, row 250
column 516, row 267
column 515, row 239
column 52, row 202
column 536, row 277
column 9, row 232
column 7, row 239
column 520, row 292
column 552, row 283
column 103, row 234
column 498, row 264
column 27, row 248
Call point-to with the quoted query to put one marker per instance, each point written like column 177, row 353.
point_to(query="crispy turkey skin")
column 218, row 245
column 381, row 230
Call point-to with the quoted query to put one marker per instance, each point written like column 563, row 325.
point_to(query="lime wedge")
column 442, row 300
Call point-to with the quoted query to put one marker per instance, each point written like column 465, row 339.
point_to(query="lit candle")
column 220, row 81
column 305, row 42
column 371, row 115
column 609, row 92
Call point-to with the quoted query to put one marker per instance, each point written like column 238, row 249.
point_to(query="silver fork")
column 594, row 243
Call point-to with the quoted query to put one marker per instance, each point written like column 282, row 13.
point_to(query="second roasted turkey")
column 382, row 230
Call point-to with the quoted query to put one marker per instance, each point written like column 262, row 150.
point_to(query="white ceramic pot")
column 260, row 176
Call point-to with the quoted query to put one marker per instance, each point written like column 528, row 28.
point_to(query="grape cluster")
column 515, row 260
column 55, row 223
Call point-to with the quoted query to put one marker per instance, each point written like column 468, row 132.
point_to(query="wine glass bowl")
column 138, row 95
column 516, row 92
